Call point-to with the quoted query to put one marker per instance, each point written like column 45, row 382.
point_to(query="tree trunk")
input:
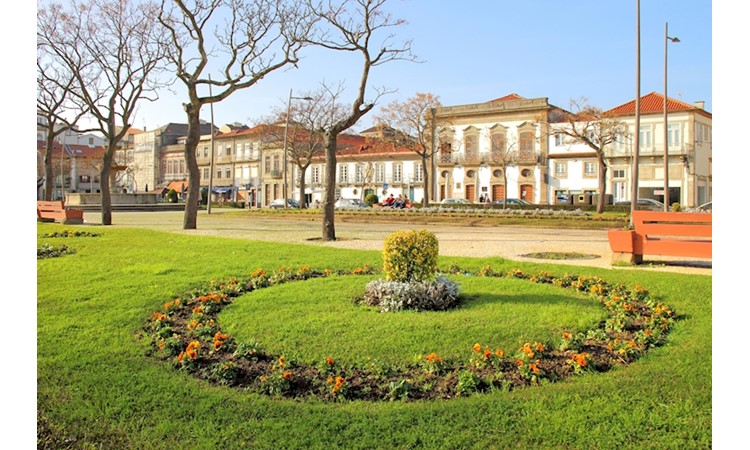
column 48, row 173
column 329, row 231
column 301, row 184
column 104, row 184
column 426, row 181
column 190, row 221
column 602, row 184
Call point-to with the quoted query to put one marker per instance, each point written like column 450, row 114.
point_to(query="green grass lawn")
column 98, row 388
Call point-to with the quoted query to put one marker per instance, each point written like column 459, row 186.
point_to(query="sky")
column 478, row 50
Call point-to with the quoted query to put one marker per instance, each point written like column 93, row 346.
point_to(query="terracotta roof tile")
column 507, row 98
column 651, row 103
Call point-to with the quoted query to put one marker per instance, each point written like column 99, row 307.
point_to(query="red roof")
column 508, row 98
column 652, row 103
column 84, row 151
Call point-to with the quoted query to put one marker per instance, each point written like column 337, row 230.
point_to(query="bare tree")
column 241, row 41
column 352, row 26
column 504, row 155
column 588, row 125
column 412, row 121
column 53, row 104
column 304, row 138
column 111, row 47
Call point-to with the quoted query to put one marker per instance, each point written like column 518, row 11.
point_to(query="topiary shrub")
column 172, row 196
column 410, row 256
column 371, row 199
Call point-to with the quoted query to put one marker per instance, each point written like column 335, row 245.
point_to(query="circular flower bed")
column 187, row 335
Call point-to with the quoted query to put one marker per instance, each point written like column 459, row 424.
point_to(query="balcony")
column 276, row 174
column 626, row 151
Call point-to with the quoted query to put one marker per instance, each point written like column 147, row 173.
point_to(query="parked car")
column 279, row 203
column 512, row 201
column 455, row 201
column 704, row 208
column 350, row 203
column 644, row 203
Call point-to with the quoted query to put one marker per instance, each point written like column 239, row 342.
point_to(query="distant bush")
column 371, row 199
column 172, row 196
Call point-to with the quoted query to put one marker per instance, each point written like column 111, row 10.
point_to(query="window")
column 497, row 140
column 380, row 173
column 343, row 173
column 276, row 163
column 589, row 169
column 218, row 173
column 84, row 179
column 315, row 174
column 618, row 173
column 246, row 148
column 205, row 174
column 418, row 175
column 470, row 144
column 397, row 173
column 228, row 173
column 359, row 175
column 526, row 145
column 559, row 139
column 268, row 164
column 205, row 152
column 182, row 166
column 673, row 134
column 561, row 169
column 229, row 150
column 645, row 136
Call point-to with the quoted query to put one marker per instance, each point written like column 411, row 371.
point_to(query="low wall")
column 77, row 199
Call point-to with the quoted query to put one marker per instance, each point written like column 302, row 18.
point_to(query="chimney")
column 700, row 104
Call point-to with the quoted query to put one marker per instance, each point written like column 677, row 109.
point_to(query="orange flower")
column 282, row 360
column 477, row 347
column 219, row 336
column 487, row 353
column 330, row 380
column 539, row 347
column 329, row 361
column 287, row 375
column 566, row 335
column 180, row 357
column 263, row 379
column 433, row 357
column 519, row 363
column 499, row 353
column 534, row 368
column 218, row 344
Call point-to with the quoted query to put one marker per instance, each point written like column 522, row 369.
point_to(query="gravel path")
column 509, row 242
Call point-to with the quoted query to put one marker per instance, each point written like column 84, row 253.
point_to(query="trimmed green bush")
column 172, row 196
column 410, row 256
column 371, row 199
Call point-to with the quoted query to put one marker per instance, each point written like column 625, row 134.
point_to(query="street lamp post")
column 666, row 132
column 286, row 137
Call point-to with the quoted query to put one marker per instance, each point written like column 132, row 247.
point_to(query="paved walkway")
column 509, row 242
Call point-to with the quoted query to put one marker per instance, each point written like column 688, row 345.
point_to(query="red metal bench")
column 663, row 233
column 55, row 211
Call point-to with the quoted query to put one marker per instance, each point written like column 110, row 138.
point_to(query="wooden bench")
column 55, row 211
column 664, row 233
